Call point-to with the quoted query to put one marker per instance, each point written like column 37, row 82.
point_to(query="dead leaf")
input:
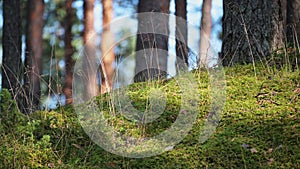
column 253, row 150
column 297, row 90
column 111, row 164
column 270, row 161
column 169, row 148
column 77, row 146
column 270, row 150
column 51, row 165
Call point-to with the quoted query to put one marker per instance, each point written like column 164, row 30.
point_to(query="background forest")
column 62, row 29
column 239, row 61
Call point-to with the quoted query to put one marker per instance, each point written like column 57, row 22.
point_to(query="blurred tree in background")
column 293, row 22
column 33, row 55
column 152, row 64
column 53, row 33
column 11, row 43
column 205, row 33
column 181, row 32
column 69, row 51
column 107, row 49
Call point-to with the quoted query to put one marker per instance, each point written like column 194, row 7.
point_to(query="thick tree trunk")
column 252, row 29
column 89, row 57
column 34, row 54
column 107, row 50
column 205, row 32
column 11, row 42
column 152, row 48
column 69, row 50
column 181, row 34
column 293, row 21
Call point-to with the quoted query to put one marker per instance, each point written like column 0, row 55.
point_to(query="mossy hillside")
column 260, row 128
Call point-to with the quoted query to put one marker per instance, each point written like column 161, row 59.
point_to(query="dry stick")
column 298, row 46
column 58, row 85
column 102, row 66
column 14, row 95
column 231, row 61
column 105, row 75
column 5, row 74
column 263, row 55
column 144, row 48
column 87, row 153
column 248, row 40
column 296, row 38
column 293, row 98
column 143, row 126
column 296, row 43
column 49, row 82
column 111, row 97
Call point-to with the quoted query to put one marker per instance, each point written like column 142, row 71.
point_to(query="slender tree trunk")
column 181, row 34
column 69, row 51
column 205, row 32
column 11, row 42
column 252, row 29
column 152, row 48
column 107, row 50
column 34, row 54
column 89, row 58
column 293, row 22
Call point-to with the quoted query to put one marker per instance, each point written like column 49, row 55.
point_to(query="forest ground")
column 260, row 128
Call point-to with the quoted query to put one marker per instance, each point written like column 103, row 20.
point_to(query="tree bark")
column 252, row 30
column 152, row 48
column 293, row 21
column 205, row 32
column 12, row 51
column 34, row 54
column 69, row 51
column 89, row 57
column 107, row 50
column 181, row 34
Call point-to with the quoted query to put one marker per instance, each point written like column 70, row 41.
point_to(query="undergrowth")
column 260, row 127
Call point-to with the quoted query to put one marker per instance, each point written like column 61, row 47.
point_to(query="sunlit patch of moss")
column 259, row 127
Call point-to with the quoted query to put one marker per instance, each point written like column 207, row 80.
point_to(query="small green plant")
column 19, row 145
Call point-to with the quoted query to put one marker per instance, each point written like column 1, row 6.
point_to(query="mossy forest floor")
column 260, row 128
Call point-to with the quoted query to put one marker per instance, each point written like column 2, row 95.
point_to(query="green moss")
column 262, row 112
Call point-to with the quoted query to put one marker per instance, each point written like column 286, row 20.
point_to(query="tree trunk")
column 89, row 57
column 205, row 32
column 293, row 21
column 181, row 34
column 252, row 29
column 11, row 42
column 69, row 50
column 152, row 47
column 107, row 50
column 34, row 54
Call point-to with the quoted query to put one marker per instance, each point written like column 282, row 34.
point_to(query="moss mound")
column 259, row 128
